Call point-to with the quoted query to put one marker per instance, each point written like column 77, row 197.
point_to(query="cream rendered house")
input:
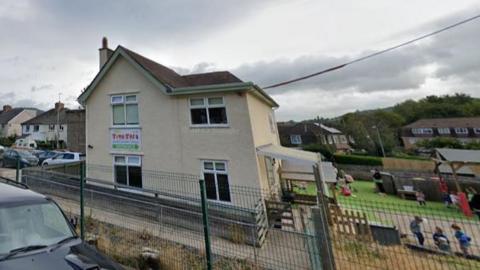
column 142, row 116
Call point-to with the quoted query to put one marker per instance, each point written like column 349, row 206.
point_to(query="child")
column 416, row 229
column 463, row 239
column 447, row 200
column 441, row 240
column 454, row 199
column 420, row 198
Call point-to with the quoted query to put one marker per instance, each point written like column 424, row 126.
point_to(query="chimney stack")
column 7, row 108
column 105, row 52
column 59, row 106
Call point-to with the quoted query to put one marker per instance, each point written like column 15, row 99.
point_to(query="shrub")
column 358, row 160
column 326, row 150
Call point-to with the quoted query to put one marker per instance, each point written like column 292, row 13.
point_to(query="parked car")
column 63, row 158
column 45, row 154
column 36, row 234
column 11, row 156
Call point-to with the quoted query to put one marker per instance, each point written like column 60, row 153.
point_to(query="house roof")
column 5, row 117
column 48, row 118
column 329, row 129
column 468, row 122
column 176, row 84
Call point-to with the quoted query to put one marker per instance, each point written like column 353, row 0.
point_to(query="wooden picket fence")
column 349, row 222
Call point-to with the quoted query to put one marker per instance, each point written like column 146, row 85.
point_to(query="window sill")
column 127, row 126
column 210, row 126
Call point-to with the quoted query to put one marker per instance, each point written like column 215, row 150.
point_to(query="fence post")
column 206, row 228
column 320, row 222
column 17, row 167
column 82, row 213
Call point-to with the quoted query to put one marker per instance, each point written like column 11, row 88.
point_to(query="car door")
column 56, row 160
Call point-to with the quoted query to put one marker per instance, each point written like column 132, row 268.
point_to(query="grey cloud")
column 398, row 70
column 31, row 103
column 7, row 96
column 455, row 53
column 41, row 87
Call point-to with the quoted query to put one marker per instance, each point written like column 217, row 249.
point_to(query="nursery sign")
column 126, row 139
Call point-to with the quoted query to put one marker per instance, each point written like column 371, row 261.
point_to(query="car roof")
column 9, row 193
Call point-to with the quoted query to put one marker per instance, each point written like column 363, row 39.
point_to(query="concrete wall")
column 169, row 142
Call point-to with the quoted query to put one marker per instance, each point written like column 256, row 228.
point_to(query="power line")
column 374, row 54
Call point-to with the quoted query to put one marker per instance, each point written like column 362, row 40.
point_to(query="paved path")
column 8, row 173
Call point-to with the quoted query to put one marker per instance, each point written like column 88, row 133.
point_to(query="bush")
column 326, row 150
column 8, row 141
column 358, row 160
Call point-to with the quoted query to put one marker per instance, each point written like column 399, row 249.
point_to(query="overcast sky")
column 51, row 46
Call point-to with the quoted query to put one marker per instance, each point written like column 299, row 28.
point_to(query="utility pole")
column 380, row 140
column 57, row 135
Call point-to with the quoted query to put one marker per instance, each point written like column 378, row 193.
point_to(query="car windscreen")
column 32, row 224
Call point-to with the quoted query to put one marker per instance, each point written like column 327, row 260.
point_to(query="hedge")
column 357, row 160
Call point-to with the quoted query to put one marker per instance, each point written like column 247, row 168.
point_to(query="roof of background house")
column 304, row 127
column 47, row 118
column 5, row 117
column 177, row 84
column 446, row 122
column 329, row 129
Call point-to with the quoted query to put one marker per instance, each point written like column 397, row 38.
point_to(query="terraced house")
column 463, row 129
column 142, row 116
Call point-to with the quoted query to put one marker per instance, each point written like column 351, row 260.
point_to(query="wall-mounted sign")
column 129, row 139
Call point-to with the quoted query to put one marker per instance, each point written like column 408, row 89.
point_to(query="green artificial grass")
column 365, row 199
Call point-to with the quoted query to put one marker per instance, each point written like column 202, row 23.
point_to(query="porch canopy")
column 297, row 164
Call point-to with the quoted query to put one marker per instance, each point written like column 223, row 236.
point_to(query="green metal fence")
column 162, row 224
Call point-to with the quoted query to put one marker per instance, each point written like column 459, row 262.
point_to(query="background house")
column 11, row 119
column 464, row 129
column 142, row 118
column 60, row 122
column 294, row 135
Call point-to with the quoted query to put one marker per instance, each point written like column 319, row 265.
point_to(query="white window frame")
column 207, row 106
column 127, row 163
column 296, row 139
column 443, row 131
column 422, row 131
column 123, row 101
column 461, row 131
column 476, row 131
column 214, row 171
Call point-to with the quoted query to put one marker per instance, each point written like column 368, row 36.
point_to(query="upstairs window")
column 443, row 131
column 27, row 128
column 36, row 128
column 216, row 180
column 125, row 110
column 208, row 111
column 476, row 130
column 422, row 131
column 462, row 131
column 296, row 139
column 51, row 127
